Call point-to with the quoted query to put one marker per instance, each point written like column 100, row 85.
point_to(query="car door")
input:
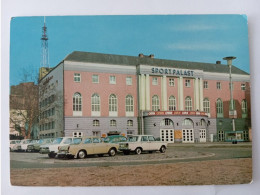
column 144, row 143
column 87, row 145
column 152, row 143
column 99, row 147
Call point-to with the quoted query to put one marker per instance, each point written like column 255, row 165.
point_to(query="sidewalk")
column 211, row 144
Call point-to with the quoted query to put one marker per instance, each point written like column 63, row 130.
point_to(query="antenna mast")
column 45, row 50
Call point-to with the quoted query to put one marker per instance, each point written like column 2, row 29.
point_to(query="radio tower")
column 45, row 50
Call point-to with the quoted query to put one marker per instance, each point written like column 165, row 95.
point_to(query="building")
column 24, row 110
column 176, row 101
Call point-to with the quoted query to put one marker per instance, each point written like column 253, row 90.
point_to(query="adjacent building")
column 176, row 101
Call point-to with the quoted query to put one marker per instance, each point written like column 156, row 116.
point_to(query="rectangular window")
column 171, row 82
column 96, row 123
column 205, row 85
column 218, row 85
column 95, row 79
column 96, row 133
column 187, row 83
column 155, row 81
column 112, row 123
column 243, row 86
column 128, row 80
column 112, row 79
column 77, row 77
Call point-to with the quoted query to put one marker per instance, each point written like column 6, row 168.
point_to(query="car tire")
column 126, row 152
column 52, row 155
column 82, row 154
column 112, row 152
column 163, row 149
column 138, row 151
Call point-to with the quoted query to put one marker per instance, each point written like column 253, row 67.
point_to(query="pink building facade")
column 176, row 101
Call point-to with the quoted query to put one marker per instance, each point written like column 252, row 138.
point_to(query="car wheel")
column 138, row 151
column 112, row 152
column 82, row 154
column 126, row 152
column 52, row 155
column 162, row 149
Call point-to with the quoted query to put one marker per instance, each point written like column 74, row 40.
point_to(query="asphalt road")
column 174, row 154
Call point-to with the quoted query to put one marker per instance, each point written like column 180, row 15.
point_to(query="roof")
column 79, row 56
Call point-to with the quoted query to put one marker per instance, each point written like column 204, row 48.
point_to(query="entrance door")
column 187, row 136
column 202, row 135
column 167, row 135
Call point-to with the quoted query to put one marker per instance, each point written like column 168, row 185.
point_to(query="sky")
column 199, row 38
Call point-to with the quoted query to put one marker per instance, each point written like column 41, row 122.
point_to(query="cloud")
column 201, row 46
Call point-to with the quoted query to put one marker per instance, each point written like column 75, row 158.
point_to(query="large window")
column 129, row 103
column 244, row 108
column 187, row 83
column 218, row 85
column 112, row 105
column 171, row 82
column 113, row 123
column 96, row 123
column 155, row 81
column 129, row 80
column 95, row 103
column 77, row 102
column 77, row 77
column 166, row 122
column 243, row 86
column 172, row 103
column 188, row 103
column 219, row 108
column 95, row 78
column 155, row 103
column 205, row 85
column 206, row 106
column 130, row 123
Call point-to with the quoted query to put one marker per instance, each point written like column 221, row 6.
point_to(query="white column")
column 164, row 93
column 180, row 93
column 196, row 94
column 143, row 92
column 147, row 93
column 201, row 94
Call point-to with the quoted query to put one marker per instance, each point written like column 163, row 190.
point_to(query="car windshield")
column 133, row 139
column 57, row 140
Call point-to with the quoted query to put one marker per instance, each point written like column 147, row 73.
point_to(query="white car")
column 24, row 144
column 13, row 143
column 140, row 143
column 52, row 149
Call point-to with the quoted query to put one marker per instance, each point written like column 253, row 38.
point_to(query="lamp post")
column 233, row 112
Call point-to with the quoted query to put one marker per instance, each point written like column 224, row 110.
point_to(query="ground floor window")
column 187, row 136
column 129, row 132
column 167, row 135
column 246, row 135
column 77, row 134
column 221, row 136
column 96, row 133
column 202, row 135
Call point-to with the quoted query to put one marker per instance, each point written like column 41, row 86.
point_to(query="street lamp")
column 232, row 110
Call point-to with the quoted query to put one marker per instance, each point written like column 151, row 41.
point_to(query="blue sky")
column 200, row 38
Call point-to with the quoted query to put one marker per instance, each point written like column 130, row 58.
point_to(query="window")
column 218, row 85
column 203, row 123
column 96, row 134
column 77, row 102
column 188, row 103
column 219, row 108
column 95, row 79
column 244, row 108
column 129, row 103
column 77, row 77
column 77, row 134
column 205, row 85
column 187, row 122
column 171, row 82
column 243, row 86
column 155, row 103
column 155, row 81
column 112, row 123
column 112, row 103
column 166, row 122
column 95, row 103
column 112, row 79
column 206, row 107
column 96, row 140
column 87, row 141
column 96, row 123
column 221, row 136
column 172, row 103
column 128, row 80
column 129, row 132
column 130, row 123
column 187, row 83
column 151, row 138
column 144, row 139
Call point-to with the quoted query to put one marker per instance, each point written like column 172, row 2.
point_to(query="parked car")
column 13, row 144
column 23, row 145
column 35, row 147
column 140, row 143
column 52, row 149
column 88, row 146
column 115, row 139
